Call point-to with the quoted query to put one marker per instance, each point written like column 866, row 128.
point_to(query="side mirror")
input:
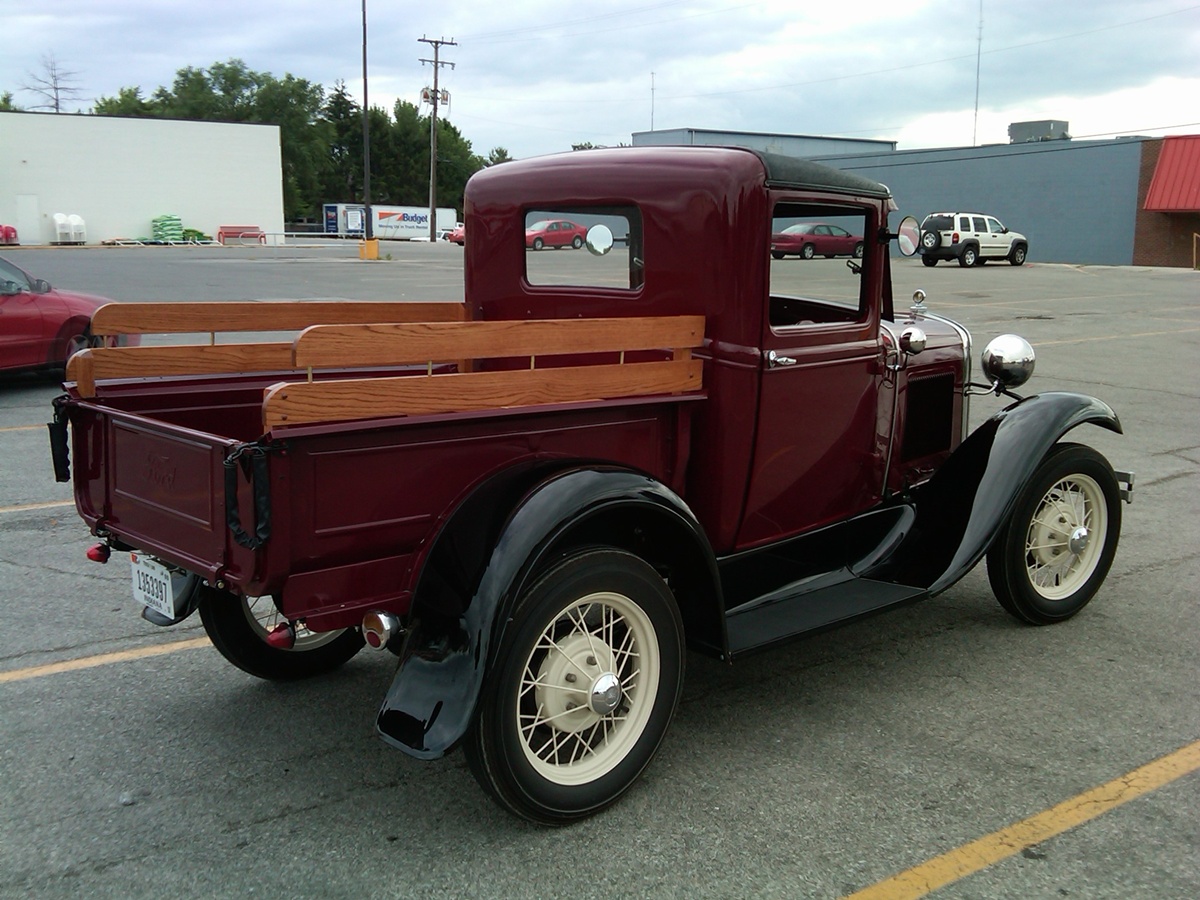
column 599, row 240
column 908, row 235
column 40, row 286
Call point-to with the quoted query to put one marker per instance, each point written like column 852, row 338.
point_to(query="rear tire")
column 538, row 243
column 775, row 254
column 583, row 690
column 929, row 261
column 808, row 251
column 238, row 628
column 1053, row 554
column 969, row 257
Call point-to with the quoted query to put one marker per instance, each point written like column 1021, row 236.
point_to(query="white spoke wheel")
column 582, row 691
column 1055, row 551
column 238, row 628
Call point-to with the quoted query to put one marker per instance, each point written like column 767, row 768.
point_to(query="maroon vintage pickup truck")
column 538, row 498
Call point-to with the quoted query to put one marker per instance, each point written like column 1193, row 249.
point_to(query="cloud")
column 536, row 78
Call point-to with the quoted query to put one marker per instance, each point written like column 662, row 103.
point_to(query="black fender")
column 492, row 548
column 961, row 509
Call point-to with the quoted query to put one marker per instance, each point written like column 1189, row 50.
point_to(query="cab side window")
column 816, row 263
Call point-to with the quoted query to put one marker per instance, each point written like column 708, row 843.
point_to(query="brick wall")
column 1161, row 239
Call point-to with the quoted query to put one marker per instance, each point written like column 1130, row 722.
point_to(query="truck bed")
column 326, row 489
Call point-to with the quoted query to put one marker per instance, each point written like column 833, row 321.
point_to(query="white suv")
column 970, row 237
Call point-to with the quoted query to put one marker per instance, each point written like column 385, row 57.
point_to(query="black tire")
column 237, row 626
column 968, row 257
column 576, row 242
column 538, row 243
column 808, row 251
column 1017, row 256
column 600, row 628
column 858, row 250
column 929, row 260
column 931, row 240
column 1042, row 570
column 776, row 254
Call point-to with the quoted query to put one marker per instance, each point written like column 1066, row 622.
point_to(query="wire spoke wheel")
column 238, row 627
column 582, row 690
column 1059, row 552
column 1055, row 551
column 587, row 689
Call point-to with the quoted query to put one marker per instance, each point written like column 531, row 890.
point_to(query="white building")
column 118, row 174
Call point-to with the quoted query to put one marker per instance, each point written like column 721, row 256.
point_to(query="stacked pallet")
column 167, row 228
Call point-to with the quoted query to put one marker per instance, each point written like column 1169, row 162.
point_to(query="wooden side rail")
column 360, row 398
column 266, row 315
column 89, row 366
column 340, row 346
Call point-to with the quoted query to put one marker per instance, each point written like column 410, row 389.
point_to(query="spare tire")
column 931, row 240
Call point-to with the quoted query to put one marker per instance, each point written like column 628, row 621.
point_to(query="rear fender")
column 962, row 507
column 498, row 541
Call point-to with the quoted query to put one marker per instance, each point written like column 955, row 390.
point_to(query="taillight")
column 954, row 238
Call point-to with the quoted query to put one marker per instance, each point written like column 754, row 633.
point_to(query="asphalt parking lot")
column 136, row 762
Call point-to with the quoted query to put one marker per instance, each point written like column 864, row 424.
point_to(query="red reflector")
column 373, row 638
column 99, row 553
column 282, row 637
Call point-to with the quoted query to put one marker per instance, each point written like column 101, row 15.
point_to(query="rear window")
column 939, row 223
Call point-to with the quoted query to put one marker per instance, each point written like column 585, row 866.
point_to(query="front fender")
column 429, row 705
column 963, row 506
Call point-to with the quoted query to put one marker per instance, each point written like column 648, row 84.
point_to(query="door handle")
column 774, row 360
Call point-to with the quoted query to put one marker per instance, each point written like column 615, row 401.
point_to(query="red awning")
column 1175, row 186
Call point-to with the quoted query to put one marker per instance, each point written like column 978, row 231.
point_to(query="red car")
column 458, row 235
column 39, row 326
column 554, row 233
column 810, row 238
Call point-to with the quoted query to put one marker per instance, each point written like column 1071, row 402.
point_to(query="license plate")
column 153, row 584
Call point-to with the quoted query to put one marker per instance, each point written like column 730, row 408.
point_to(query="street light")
column 368, row 232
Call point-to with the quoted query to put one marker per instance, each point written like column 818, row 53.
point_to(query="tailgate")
column 153, row 485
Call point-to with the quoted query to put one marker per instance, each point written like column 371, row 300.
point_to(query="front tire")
column 1056, row 549
column 576, row 242
column 1017, row 257
column 238, row 628
column 858, row 250
column 582, row 691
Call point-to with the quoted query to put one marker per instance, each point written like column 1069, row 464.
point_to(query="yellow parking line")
column 104, row 659
column 999, row 845
column 25, row 507
column 1116, row 337
column 23, row 428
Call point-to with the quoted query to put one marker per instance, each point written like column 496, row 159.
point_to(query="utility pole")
column 434, row 97
column 978, row 56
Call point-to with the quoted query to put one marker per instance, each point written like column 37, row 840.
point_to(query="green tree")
column 496, row 156
column 6, row 103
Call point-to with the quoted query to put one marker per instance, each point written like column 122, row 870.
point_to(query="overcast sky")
column 537, row 77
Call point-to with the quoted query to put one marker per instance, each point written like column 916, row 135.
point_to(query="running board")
column 814, row 604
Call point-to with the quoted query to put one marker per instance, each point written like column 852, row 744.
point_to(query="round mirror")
column 599, row 239
column 1009, row 360
column 907, row 236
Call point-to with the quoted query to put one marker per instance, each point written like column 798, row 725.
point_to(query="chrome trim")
column 968, row 369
